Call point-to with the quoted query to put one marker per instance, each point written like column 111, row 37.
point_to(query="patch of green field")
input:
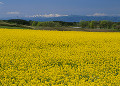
column 8, row 27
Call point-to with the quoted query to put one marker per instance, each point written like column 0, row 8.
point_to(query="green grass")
column 62, row 29
column 8, row 27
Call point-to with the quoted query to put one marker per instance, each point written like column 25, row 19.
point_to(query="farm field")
column 59, row 58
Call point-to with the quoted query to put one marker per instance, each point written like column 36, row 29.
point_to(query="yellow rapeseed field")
column 59, row 58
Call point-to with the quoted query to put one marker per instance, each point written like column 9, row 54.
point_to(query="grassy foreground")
column 59, row 58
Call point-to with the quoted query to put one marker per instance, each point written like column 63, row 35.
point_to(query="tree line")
column 52, row 23
column 104, row 24
column 44, row 24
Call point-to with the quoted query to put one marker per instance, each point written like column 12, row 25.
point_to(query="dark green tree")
column 106, row 24
column 34, row 23
column 93, row 24
column 117, row 27
column 114, row 25
column 39, row 23
column 83, row 24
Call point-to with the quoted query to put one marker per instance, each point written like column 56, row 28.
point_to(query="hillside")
column 89, row 26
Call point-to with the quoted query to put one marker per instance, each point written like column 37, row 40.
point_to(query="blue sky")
column 63, row 7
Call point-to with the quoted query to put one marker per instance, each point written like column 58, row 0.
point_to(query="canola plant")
column 59, row 58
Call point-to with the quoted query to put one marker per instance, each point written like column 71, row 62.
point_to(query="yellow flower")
column 58, row 58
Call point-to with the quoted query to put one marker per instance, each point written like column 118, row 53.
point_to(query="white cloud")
column 1, row 3
column 16, row 13
column 98, row 14
column 48, row 15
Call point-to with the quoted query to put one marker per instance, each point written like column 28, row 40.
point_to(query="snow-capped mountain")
column 66, row 18
column 47, row 15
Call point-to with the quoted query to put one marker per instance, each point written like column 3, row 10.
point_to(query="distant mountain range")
column 70, row 18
